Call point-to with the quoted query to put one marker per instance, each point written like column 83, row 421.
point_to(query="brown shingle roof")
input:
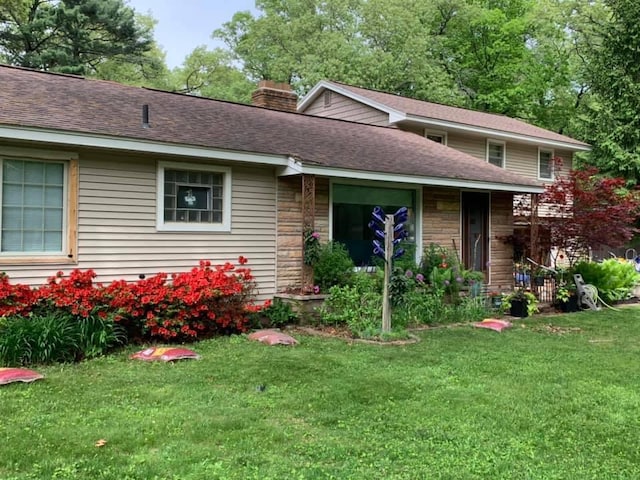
column 462, row 116
column 39, row 100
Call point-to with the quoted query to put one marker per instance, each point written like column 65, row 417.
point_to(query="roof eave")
column 332, row 172
column 84, row 140
column 322, row 85
column 489, row 132
column 397, row 116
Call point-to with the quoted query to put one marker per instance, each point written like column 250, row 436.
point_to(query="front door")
column 475, row 230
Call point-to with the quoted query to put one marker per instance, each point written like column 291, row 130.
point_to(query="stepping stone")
column 272, row 337
column 165, row 354
column 493, row 324
column 10, row 375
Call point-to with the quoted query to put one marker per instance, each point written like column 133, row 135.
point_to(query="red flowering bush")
column 14, row 299
column 75, row 294
column 206, row 301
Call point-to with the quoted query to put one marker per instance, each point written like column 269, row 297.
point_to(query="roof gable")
column 76, row 111
column 402, row 109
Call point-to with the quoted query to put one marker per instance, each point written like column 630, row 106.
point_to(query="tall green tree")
column 297, row 41
column 71, row 36
column 514, row 57
column 211, row 73
column 613, row 119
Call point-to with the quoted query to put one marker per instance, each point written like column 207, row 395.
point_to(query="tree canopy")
column 71, row 36
column 612, row 122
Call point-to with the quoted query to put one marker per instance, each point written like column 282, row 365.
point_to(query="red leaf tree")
column 586, row 210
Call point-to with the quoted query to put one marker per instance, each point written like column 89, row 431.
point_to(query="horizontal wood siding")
column 522, row 159
column 117, row 234
column 345, row 108
column 501, row 266
column 441, row 217
column 471, row 145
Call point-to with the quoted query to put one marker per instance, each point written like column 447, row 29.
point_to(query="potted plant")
column 566, row 298
column 538, row 278
column 520, row 303
column 495, row 300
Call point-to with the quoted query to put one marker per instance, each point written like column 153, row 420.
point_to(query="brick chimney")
column 277, row 96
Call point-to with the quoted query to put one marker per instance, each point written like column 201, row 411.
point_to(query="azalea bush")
column 208, row 300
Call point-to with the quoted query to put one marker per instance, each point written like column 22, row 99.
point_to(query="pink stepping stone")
column 10, row 375
column 272, row 337
column 164, row 354
column 493, row 324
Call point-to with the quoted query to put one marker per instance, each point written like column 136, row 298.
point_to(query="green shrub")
column 55, row 337
column 358, row 306
column 613, row 279
column 97, row 335
column 277, row 314
column 472, row 309
column 333, row 266
column 420, row 307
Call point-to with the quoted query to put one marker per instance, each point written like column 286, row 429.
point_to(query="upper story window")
column 496, row 153
column 438, row 137
column 193, row 197
column 545, row 164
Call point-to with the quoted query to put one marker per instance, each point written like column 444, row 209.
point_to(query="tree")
column 588, row 210
column 70, row 36
column 148, row 69
column 514, row 57
column 612, row 123
column 211, row 73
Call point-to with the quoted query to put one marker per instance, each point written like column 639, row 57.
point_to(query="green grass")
column 463, row 403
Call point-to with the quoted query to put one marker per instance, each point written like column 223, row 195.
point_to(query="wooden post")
column 308, row 222
column 388, row 258
column 535, row 252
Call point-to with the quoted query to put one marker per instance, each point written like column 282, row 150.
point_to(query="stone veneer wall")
column 501, row 254
column 440, row 220
column 441, row 217
column 289, row 228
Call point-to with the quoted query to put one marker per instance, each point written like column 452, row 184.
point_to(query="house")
column 508, row 143
column 131, row 181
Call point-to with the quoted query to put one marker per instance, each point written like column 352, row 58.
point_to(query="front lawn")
column 534, row 402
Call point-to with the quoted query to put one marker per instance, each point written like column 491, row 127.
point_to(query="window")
column 438, row 137
column 193, row 197
column 34, row 223
column 352, row 207
column 495, row 153
column 545, row 164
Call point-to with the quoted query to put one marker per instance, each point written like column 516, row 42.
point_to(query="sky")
column 184, row 25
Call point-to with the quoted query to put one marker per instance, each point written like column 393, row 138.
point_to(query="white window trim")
column 547, row 150
column 224, row 226
column 43, row 156
column 439, row 133
column 490, row 142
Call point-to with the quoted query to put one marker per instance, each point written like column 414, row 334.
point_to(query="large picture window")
column 352, row 207
column 193, row 197
column 33, row 207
